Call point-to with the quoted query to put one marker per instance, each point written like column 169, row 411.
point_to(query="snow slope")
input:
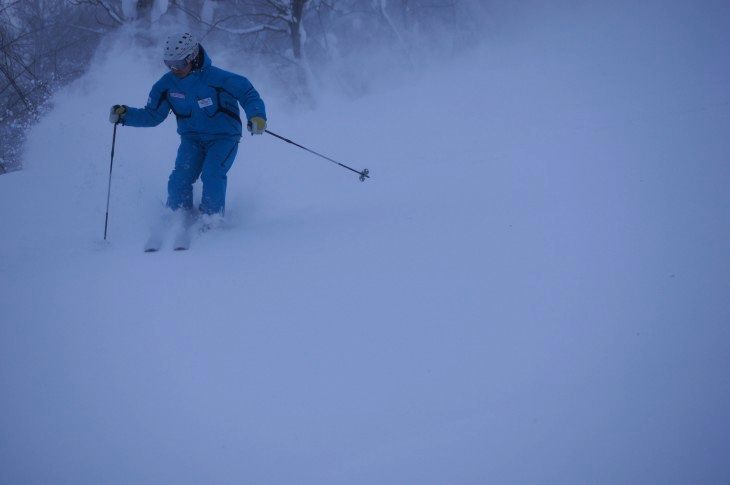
column 534, row 287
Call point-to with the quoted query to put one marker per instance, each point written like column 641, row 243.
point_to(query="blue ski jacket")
column 205, row 103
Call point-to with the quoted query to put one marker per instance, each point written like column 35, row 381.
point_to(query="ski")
column 182, row 239
column 179, row 223
column 183, row 235
column 152, row 247
column 157, row 234
column 153, row 242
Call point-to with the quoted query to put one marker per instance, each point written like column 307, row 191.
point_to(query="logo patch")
column 178, row 95
column 205, row 102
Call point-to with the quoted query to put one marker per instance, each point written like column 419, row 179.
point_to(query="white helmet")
column 180, row 46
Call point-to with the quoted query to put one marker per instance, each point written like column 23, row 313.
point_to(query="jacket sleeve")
column 154, row 113
column 246, row 95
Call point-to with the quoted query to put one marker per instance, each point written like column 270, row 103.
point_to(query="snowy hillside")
column 534, row 286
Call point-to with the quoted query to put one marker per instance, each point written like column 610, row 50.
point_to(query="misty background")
column 297, row 49
column 533, row 286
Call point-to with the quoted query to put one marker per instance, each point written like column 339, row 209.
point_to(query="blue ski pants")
column 208, row 159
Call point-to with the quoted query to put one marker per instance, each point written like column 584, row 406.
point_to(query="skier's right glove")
column 116, row 114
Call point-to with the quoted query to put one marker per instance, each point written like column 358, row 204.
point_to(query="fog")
column 531, row 288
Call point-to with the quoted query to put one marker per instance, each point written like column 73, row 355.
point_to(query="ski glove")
column 116, row 114
column 256, row 125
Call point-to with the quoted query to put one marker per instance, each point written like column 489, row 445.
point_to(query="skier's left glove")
column 256, row 125
column 116, row 114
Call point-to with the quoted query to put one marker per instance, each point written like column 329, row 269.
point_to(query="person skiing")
column 204, row 100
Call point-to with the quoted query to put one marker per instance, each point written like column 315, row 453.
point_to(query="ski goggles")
column 178, row 65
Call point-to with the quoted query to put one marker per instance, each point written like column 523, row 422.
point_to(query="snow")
column 207, row 11
column 160, row 7
column 129, row 8
column 531, row 288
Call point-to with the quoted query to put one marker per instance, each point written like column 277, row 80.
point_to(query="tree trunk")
column 297, row 9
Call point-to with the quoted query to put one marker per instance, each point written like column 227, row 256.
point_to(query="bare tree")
column 251, row 17
column 120, row 12
column 42, row 42
column 39, row 48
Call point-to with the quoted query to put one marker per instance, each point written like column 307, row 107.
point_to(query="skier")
column 204, row 100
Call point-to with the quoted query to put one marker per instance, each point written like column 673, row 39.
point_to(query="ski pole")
column 363, row 174
column 109, row 189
